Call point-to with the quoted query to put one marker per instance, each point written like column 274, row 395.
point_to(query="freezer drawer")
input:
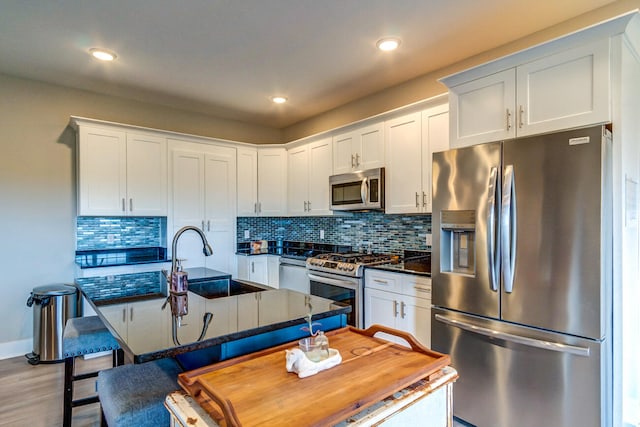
column 512, row 375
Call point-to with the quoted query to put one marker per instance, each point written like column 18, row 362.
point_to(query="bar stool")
column 84, row 335
column 133, row 395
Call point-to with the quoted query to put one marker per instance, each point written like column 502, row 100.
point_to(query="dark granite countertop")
column 292, row 249
column 121, row 256
column 413, row 262
column 144, row 329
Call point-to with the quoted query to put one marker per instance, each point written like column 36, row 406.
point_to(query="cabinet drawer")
column 417, row 286
column 382, row 280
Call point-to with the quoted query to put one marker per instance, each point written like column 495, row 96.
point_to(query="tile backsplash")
column 120, row 232
column 384, row 232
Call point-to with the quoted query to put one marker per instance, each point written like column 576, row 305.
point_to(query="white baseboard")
column 15, row 348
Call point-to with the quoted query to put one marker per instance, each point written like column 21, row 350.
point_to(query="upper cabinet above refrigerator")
column 522, row 100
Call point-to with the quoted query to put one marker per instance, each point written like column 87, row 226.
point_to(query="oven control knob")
column 351, row 267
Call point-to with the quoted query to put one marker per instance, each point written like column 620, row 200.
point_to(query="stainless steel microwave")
column 358, row 191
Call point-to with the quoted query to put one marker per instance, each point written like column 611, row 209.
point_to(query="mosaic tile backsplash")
column 384, row 232
column 120, row 232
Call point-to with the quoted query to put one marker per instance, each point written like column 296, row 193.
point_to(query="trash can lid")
column 53, row 290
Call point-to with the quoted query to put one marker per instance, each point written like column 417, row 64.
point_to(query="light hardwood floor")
column 32, row 395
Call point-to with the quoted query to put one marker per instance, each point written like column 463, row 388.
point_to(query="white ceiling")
column 227, row 57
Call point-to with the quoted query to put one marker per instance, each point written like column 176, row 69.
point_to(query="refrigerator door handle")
column 508, row 228
column 531, row 342
column 491, row 232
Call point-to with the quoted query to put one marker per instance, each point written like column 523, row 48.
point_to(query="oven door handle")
column 330, row 281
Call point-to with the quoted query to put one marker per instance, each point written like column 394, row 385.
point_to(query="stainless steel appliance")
column 357, row 191
column 521, row 278
column 339, row 277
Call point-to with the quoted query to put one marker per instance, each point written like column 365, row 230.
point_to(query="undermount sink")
column 219, row 288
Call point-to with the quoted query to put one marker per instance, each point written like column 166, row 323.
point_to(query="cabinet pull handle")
column 520, row 114
column 395, row 308
column 203, row 225
column 124, row 315
column 424, row 199
column 357, row 159
column 124, row 209
column 417, row 203
column 353, row 161
column 208, row 225
column 131, row 204
column 402, row 313
column 253, row 269
column 508, row 119
column 305, row 206
column 309, row 206
column 131, row 314
column 384, row 282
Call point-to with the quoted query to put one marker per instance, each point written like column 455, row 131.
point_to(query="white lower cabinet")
column 131, row 321
column 400, row 301
column 259, row 268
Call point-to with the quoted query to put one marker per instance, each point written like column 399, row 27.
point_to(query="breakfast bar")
column 245, row 316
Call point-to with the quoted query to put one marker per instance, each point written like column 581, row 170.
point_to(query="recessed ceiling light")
column 387, row 44
column 279, row 99
column 102, row 54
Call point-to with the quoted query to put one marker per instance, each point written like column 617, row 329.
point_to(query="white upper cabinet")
column 359, row 149
column 557, row 91
column 262, row 181
column 203, row 185
column 121, row 173
column 411, row 140
column 309, row 169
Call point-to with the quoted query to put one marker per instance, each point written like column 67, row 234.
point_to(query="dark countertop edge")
column 199, row 345
column 122, row 300
column 84, row 267
column 397, row 268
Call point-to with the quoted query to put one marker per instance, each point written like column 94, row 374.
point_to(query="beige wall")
column 427, row 86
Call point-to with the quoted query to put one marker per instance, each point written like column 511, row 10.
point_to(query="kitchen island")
column 245, row 316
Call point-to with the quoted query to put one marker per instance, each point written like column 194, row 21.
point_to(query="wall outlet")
column 321, row 234
column 246, row 234
column 428, row 239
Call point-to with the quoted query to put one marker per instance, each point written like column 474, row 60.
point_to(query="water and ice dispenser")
column 457, row 242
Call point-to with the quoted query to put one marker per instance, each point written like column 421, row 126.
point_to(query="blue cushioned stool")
column 133, row 395
column 84, row 335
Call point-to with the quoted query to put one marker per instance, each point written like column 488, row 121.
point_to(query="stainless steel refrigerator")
column 521, row 278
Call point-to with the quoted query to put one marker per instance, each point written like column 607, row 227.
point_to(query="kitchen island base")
column 427, row 403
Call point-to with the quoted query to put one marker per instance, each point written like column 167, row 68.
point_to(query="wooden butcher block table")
column 257, row 390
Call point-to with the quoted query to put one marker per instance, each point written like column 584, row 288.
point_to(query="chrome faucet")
column 182, row 294
column 206, row 248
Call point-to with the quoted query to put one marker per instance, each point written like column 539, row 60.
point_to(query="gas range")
column 346, row 264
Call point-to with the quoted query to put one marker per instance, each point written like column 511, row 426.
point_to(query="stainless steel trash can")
column 52, row 305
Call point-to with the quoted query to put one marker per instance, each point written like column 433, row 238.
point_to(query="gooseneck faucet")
column 177, row 285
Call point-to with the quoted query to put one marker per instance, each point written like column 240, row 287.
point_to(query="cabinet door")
column 258, row 269
column 146, row 175
column 243, row 267
column 381, row 308
column 343, row 156
column 403, row 173
column 369, row 152
column 320, row 168
column 247, row 311
column 483, row 110
column 435, row 137
column 225, row 316
column 102, row 173
column 143, row 327
column 220, row 207
column 298, row 188
column 273, row 269
column 116, row 315
column 272, row 181
column 247, row 181
column 579, row 77
column 187, row 201
column 415, row 318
